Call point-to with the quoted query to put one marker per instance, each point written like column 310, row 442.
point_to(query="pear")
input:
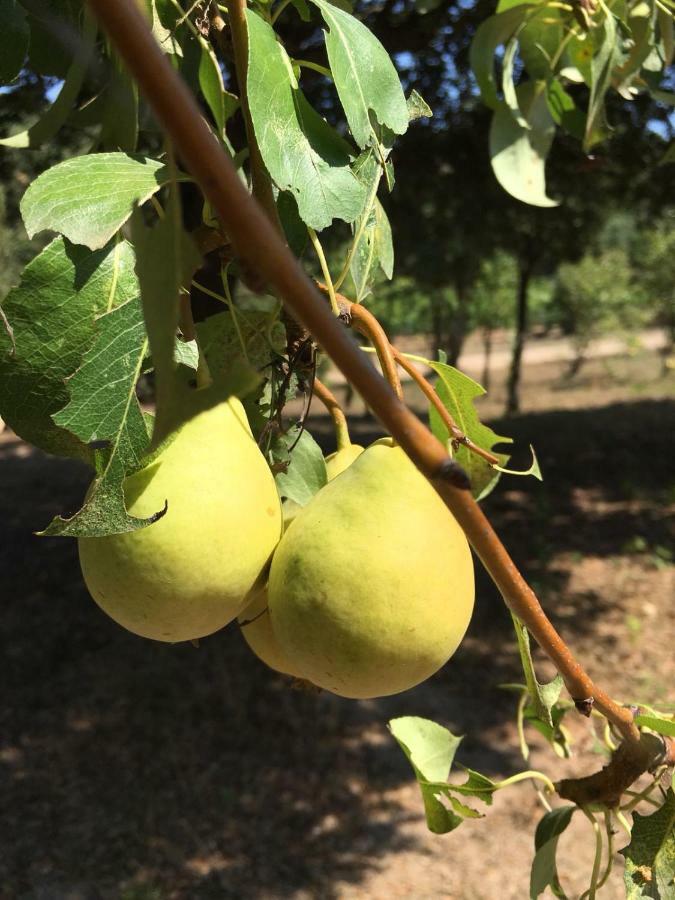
column 257, row 631
column 189, row 573
column 371, row 587
column 337, row 462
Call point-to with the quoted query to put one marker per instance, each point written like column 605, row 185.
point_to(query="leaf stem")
column 609, row 831
column 316, row 67
column 363, row 221
column 330, row 289
column 258, row 242
column 278, row 11
column 524, row 776
column 336, row 412
column 597, row 860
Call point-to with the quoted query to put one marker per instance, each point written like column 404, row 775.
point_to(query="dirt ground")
column 141, row 771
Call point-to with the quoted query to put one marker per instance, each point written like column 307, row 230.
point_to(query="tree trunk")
column 437, row 323
column 458, row 326
column 487, row 351
column 575, row 365
column 513, row 387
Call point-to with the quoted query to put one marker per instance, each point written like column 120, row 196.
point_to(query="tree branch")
column 336, row 413
column 367, row 325
column 258, row 242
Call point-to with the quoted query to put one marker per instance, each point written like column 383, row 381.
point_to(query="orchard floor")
column 140, row 771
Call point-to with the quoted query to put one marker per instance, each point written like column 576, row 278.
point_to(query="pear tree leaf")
column 211, row 84
column 365, row 77
column 458, row 392
column 604, row 38
column 490, row 35
column 51, row 313
column 186, row 353
column 534, row 470
column 539, row 39
column 89, row 198
column 668, row 156
column 250, row 337
column 62, row 107
column 544, row 872
column 119, row 129
column 306, row 472
column 103, row 407
column 657, row 723
column 418, row 108
column 166, row 261
column 374, row 250
column 14, row 38
column 508, row 84
column 642, row 24
column 564, row 110
column 650, row 857
column 302, row 153
column 518, row 154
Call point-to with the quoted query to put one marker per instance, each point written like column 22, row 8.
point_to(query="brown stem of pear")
column 366, row 323
column 336, row 413
column 259, row 244
column 427, row 389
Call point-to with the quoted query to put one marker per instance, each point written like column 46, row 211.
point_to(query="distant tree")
column 655, row 263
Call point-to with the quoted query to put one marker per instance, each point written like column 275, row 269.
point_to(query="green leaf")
column 430, row 749
column 641, row 22
column 543, row 697
column 375, row 249
column 490, row 34
column 120, row 115
column 302, row 153
column 306, row 472
column 539, row 41
column 650, row 856
column 211, row 84
column 89, row 198
column 62, row 107
column 365, row 77
column 418, row 108
column 658, row 724
column 508, row 86
column 103, row 407
column 458, row 392
column 604, row 38
column 544, row 871
column 166, row 262
column 518, row 154
column 52, row 314
column 14, row 37
column 533, row 470
column 243, row 337
column 564, row 111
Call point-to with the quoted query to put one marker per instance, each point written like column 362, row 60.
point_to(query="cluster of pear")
column 370, row 588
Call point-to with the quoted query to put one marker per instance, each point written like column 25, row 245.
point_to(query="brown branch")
column 336, row 412
column 366, row 323
column 257, row 242
column 427, row 389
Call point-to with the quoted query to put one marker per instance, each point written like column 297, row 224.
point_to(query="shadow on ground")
column 136, row 770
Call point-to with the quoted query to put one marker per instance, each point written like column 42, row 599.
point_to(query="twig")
column 429, row 392
column 336, row 412
column 366, row 323
column 258, row 242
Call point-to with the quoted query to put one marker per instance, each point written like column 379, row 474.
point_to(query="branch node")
column 585, row 707
column 451, row 472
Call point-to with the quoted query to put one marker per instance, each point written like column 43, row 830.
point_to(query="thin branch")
column 336, row 412
column 259, row 244
column 427, row 389
column 323, row 262
column 366, row 323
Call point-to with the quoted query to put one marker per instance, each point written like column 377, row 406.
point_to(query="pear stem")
column 429, row 392
column 259, row 244
column 367, row 325
column 336, row 412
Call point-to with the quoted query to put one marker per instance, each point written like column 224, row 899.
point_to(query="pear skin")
column 337, row 462
column 189, row 573
column 257, row 631
column 371, row 588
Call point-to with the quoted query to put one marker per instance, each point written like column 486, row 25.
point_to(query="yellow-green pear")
column 371, row 588
column 340, row 460
column 257, row 631
column 189, row 573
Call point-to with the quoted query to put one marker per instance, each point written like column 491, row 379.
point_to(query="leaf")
column 252, row 339
column 120, row 114
column 518, row 154
column 103, row 407
column 508, row 86
column 641, row 22
column 306, row 472
column 89, row 198
column 14, row 37
column 539, row 41
column 52, row 314
column 365, row 77
column 533, row 470
column 458, row 392
column 490, row 34
column 543, row 697
column 302, row 153
column 418, row 108
column 650, row 856
column 375, row 249
column 604, row 37
column 658, row 724
column 430, row 749
column 62, row 107
column 211, row 84
column 544, row 871
column 564, row 111
column 166, row 262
